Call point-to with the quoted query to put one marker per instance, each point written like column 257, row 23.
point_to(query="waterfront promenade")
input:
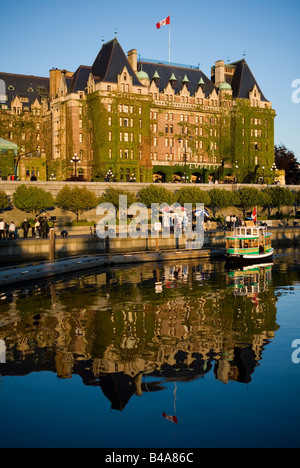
column 32, row 249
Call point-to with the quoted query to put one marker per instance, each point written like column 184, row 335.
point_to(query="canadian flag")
column 170, row 418
column 164, row 22
column 254, row 215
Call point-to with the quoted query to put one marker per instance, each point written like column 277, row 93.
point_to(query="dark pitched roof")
column 22, row 86
column 110, row 62
column 165, row 72
column 80, row 79
column 243, row 81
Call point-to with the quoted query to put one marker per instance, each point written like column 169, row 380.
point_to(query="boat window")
column 249, row 232
column 255, row 232
column 243, row 232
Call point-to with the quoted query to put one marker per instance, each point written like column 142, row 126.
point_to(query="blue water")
column 95, row 360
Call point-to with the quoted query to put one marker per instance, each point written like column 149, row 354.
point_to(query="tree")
column 33, row 199
column 77, row 200
column 248, row 198
column 112, row 195
column 296, row 202
column 156, row 194
column 286, row 160
column 193, row 195
column 281, row 197
column 219, row 200
column 4, row 202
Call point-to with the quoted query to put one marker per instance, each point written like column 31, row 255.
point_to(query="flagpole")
column 170, row 41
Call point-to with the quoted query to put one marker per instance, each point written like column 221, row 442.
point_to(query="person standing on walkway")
column 25, row 226
column 2, row 230
column 37, row 229
column 12, row 231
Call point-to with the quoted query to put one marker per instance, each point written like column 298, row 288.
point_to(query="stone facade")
column 129, row 119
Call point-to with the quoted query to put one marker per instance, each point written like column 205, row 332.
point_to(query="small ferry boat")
column 248, row 245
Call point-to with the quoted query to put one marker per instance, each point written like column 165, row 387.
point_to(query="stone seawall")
column 99, row 187
column 39, row 249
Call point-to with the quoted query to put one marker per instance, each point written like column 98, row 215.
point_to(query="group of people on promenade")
column 41, row 229
column 7, row 231
column 233, row 220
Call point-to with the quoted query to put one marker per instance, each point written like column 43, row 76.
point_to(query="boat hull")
column 249, row 259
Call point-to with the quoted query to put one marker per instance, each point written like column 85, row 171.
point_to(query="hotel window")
column 167, row 142
column 126, row 154
column 109, row 108
column 155, row 141
column 167, row 129
column 171, row 128
column 140, row 110
column 132, row 138
column 141, row 123
column 154, row 128
column 121, row 136
column 140, row 138
column 109, row 136
column 121, row 154
column 80, row 137
column 109, row 122
column 126, row 123
column 126, row 137
column 23, row 136
column 109, row 154
column 121, row 122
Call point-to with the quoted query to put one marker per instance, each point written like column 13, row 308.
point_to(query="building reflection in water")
column 130, row 331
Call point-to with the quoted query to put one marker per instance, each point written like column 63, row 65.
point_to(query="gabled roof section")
column 33, row 87
column 180, row 74
column 80, row 79
column 110, row 62
column 243, row 81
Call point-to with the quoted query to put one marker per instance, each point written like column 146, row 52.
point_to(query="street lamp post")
column 180, row 139
column 236, row 173
column 274, row 169
column 75, row 160
column 109, row 176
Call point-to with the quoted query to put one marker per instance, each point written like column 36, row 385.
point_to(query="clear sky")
column 38, row 35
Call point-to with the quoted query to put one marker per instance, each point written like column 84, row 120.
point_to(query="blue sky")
column 38, row 35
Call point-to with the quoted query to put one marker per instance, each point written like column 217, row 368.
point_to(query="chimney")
column 132, row 59
column 219, row 73
column 55, row 76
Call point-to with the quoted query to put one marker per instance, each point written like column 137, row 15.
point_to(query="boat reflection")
column 250, row 281
column 131, row 331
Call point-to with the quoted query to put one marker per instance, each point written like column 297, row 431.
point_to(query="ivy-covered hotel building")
column 139, row 119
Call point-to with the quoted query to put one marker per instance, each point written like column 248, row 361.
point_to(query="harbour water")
column 154, row 356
